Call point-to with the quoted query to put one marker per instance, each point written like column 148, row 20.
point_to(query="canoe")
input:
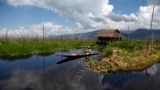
column 70, row 57
column 77, row 55
column 67, row 59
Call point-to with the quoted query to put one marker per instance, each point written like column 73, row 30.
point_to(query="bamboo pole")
column 151, row 26
column 150, row 33
column 43, row 33
column 6, row 35
column 128, row 33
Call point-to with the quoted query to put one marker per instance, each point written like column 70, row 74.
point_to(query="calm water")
column 43, row 73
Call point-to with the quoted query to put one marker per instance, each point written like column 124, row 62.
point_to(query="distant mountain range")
column 81, row 35
column 143, row 34
column 136, row 34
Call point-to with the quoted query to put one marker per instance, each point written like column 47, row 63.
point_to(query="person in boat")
column 88, row 50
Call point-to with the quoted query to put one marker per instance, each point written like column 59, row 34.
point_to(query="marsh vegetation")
column 22, row 47
column 124, row 56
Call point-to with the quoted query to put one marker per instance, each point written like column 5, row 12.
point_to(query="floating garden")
column 125, row 56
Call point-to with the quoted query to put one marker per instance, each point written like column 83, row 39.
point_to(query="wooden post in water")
column 43, row 34
column 150, row 34
column 6, row 35
column 28, row 33
column 128, row 37
column 151, row 26
column 128, row 33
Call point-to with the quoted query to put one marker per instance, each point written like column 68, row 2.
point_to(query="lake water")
column 43, row 73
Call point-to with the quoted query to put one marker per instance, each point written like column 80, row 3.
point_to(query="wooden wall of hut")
column 106, row 40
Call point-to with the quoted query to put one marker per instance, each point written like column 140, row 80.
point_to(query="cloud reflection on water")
column 149, row 79
column 59, row 78
column 74, row 76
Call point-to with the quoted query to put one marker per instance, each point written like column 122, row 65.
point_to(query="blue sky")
column 13, row 17
column 73, row 16
column 127, row 6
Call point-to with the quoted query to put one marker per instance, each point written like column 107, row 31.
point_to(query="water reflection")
column 13, row 58
column 62, row 77
column 75, row 58
column 67, row 59
column 133, row 80
column 43, row 73
column 147, row 82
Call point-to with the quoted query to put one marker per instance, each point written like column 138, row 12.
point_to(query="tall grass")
column 129, row 46
column 18, row 47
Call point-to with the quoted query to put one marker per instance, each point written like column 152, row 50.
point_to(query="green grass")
column 128, row 45
column 107, row 52
column 124, row 56
column 18, row 47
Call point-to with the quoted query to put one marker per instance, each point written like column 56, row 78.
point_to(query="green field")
column 22, row 47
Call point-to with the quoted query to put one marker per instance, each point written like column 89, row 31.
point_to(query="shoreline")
column 124, row 60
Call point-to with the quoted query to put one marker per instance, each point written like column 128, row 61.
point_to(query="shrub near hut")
column 129, row 46
column 107, row 52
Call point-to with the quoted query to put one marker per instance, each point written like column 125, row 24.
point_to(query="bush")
column 129, row 46
column 122, row 45
column 140, row 47
column 108, row 52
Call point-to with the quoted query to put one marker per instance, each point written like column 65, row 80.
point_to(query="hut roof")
column 112, row 33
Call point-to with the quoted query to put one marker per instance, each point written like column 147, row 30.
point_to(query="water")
column 43, row 73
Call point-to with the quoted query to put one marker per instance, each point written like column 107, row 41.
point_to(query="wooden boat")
column 67, row 59
column 77, row 55
column 73, row 56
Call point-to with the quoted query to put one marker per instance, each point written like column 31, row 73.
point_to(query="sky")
column 21, row 18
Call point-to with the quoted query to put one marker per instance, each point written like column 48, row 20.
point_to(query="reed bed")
column 20, row 47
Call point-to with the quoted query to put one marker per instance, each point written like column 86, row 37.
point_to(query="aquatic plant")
column 123, row 59
column 107, row 52
column 18, row 47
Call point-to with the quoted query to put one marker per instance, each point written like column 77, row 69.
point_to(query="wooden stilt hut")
column 106, row 35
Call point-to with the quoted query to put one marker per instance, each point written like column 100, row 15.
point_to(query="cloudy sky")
column 28, row 17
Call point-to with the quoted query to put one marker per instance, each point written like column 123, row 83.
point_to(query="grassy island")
column 125, row 56
column 24, row 47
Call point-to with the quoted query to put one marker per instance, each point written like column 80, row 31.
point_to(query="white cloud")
column 154, row 2
column 96, row 14
column 127, row 18
column 56, row 78
column 76, row 10
column 50, row 29
column 145, row 15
